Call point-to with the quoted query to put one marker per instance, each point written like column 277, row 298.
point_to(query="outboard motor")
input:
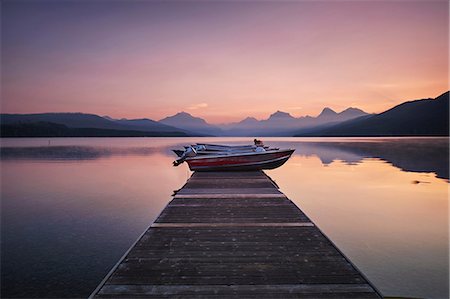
column 199, row 147
column 189, row 152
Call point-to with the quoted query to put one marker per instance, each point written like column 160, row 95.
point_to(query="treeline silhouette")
column 48, row 129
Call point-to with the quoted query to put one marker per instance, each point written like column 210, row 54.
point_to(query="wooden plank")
column 236, row 224
column 230, row 278
column 234, row 235
column 230, row 202
column 231, row 195
column 184, row 289
column 230, row 191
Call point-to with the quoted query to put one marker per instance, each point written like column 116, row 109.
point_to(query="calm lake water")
column 71, row 207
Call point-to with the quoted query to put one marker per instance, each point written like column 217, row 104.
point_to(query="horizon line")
column 219, row 123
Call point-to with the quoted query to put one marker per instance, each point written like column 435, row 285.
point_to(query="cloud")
column 198, row 106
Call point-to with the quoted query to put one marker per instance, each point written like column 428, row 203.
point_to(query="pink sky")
column 220, row 61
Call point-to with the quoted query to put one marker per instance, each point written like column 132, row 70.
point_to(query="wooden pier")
column 233, row 235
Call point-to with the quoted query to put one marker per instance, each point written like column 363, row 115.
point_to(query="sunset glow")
column 222, row 61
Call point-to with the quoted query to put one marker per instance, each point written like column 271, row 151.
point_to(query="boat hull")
column 240, row 162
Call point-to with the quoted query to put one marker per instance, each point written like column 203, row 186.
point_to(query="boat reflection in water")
column 215, row 157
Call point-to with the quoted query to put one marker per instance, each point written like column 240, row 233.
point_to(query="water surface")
column 72, row 206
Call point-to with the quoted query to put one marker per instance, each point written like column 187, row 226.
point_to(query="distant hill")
column 426, row 117
column 90, row 121
column 71, row 120
column 146, row 124
column 283, row 124
column 84, row 120
column 249, row 121
column 46, row 129
column 186, row 121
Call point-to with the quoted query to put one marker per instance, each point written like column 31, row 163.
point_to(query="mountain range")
column 425, row 117
column 283, row 124
column 194, row 124
column 82, row 124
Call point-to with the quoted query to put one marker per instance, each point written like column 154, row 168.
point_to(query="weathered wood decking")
column 233, row 235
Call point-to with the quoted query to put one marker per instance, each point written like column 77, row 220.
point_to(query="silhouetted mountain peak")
column 327, row 112
column 352, row 109
column 353, row 112
column 185, row 117
column 183, row 114
column 186, row 121
column 249, row 120
column 280, row 114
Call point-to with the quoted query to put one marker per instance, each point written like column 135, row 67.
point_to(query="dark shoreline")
column 47, row 130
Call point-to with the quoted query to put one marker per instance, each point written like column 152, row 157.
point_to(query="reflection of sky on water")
column 420, row 154
column 64, row 224
column 71, row 209
column 396, row 232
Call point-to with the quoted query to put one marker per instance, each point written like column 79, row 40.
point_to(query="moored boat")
column 240, row 161
column 215, row 157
